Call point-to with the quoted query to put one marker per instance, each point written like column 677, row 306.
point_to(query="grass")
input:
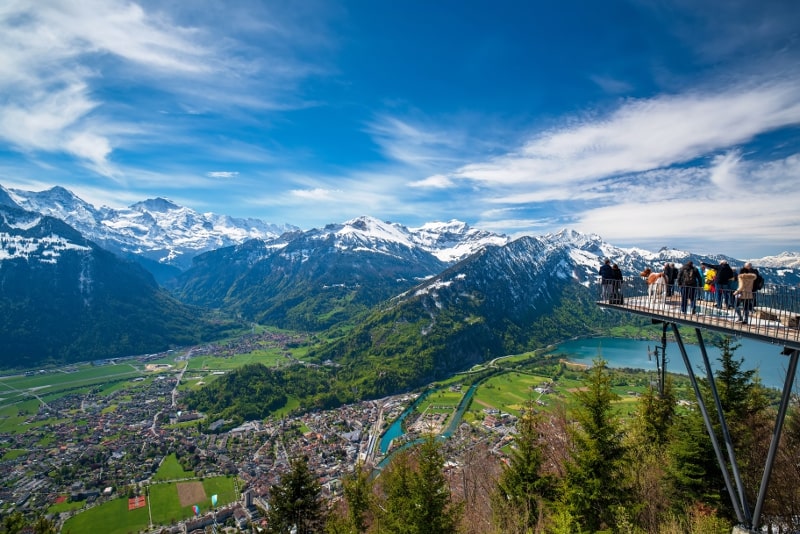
column 65, row 506
column 171, row 469
column 268, row 357
column 12, row 454
column 115, row 517
column 13, row 417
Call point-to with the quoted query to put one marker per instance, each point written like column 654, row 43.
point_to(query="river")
column 632, row 353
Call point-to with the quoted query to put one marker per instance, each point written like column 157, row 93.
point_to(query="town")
column 90, row 448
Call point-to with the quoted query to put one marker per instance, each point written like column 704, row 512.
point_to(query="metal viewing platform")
column 774, row 317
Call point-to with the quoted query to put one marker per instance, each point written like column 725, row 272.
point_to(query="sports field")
column 169, row 503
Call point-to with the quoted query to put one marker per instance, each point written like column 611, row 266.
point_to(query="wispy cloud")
column 642, row 135
column 60, row 60
column 222, row 174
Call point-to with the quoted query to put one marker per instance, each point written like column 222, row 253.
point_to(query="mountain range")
column 63, row 298
column 400, row 305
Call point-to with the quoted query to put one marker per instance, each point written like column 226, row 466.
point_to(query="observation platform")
column 773, row 318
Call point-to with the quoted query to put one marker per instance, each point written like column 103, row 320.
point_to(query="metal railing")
column 773, row 315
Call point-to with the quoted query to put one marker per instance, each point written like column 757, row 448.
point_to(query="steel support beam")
column 776, row 436
column 709, row 426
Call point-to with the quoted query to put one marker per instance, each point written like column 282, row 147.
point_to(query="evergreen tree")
column 594, row 483
column 417, row 497
column 522, row 487
column 357, row 489
column 694, row 474
column 657, row 413
column 295, row 501
column 396, row 506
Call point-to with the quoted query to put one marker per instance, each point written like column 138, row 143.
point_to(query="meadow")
column 164, row 504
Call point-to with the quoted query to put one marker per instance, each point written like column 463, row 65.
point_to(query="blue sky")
column 651, row 123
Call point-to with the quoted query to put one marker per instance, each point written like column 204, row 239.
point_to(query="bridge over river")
column 775, row 319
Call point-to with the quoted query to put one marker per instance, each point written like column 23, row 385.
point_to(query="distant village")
column 109, row 446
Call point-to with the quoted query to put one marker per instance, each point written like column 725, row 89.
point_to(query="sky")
column 650, row 123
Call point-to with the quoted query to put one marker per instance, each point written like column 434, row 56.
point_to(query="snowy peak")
column 365, row 230
column 59, row 203
column 454, row 240
column 448, row 241
column 784, row 260
column 157, row 205
column 155, row 229
column 35, row 239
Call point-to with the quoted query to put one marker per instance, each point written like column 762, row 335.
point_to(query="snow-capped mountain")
column 448, row 241
column 155, row 229
column 784, row 260
column 160, row 231
column 64, row 298
column 454, row 240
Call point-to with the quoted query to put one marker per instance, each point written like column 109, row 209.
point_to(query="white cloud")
column 437, row 181
column 642, row 135
column 418, row 142
column 725, row 169
column 222, row 174
column 62, row 63
column 315, row 194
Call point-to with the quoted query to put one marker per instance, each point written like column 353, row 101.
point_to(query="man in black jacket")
column 689, row 280
column 722, row 284
column 607, row 279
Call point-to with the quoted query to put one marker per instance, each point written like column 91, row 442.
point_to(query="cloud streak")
column 642, row 135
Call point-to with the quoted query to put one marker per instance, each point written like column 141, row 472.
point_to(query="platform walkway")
column 775, row 318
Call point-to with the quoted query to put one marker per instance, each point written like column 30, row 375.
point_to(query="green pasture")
column 268, row 357
column 82, row 375
column 13, row 416
column 292, row 403
column 113, row 517
column 508, row 392
column 441, row 401
column 11, row 454
column 171, row 469
column 65, row 506
column 18, row 389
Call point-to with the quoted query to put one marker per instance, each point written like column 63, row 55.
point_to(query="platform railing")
column 774, row 317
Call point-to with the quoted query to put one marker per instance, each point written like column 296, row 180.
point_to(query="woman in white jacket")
column 744, row 293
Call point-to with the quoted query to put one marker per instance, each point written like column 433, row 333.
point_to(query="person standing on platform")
column 689, row 283
column 709, row 274
column 606, row 280
column 744, row 293
column 672, row 278
column 617, row 274
column 722, row 284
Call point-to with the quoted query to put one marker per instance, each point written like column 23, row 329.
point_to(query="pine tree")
column 295, row 501
column 357, row 489
column 417, row 497
column 657, row 413
column 594, row 481
column 522, row 487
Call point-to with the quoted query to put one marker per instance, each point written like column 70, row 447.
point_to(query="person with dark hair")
column 606, row 279
column 745, row 296
column 723, row 282
column 670, row 274
column 616, row 274
column 689, row 283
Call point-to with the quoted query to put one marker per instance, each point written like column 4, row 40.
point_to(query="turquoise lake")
column 763, row 357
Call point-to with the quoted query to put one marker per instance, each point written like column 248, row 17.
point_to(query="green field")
column 171, row 469
column 113, row 517
column 270, row 358
column 18, row 390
